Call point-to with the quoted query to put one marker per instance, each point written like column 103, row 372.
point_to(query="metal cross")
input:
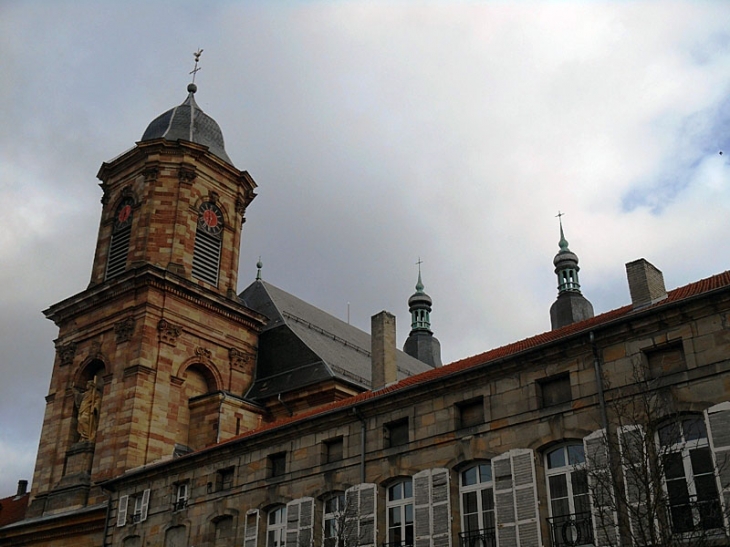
column 419, row 264
column 197, row 59
column 559, row 215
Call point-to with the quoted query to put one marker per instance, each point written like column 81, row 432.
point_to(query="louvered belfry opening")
column 208, row 243
column 121, row 236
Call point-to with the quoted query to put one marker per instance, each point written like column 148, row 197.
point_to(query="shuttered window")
column 360, row 515
column 477, row 506
column 333, row 521
column 432, row 508
column 639, row 483
column 515, row 496
column 251, row 531
column 300, row 522
column 717, row 419
column 208, row 243
column 121, row 236
column 601, row 491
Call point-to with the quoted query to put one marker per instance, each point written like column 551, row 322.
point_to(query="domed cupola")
column 189, row 123
column 421, row 343
column 571, row 306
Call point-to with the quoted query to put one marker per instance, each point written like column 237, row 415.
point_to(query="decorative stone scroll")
column 67, row 352
column 186, row 175
column 168, row 332
column 124, row 330
column 239, row 359
column 203, row 354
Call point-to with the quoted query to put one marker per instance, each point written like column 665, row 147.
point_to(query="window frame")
column 335, row 515
column 484, row 530
column 578, row 521
column 403, row 507
column 277, row 528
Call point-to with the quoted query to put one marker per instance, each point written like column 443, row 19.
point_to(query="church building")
column 184, row 413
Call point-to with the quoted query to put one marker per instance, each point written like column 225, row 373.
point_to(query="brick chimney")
column 382, row 349
column 646, row 283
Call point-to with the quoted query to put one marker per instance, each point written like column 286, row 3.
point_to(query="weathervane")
column 197, row 59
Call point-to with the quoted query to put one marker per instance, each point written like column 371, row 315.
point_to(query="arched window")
column 400, row 514
column 689, row 475
column 121, row 235
column 276, row 527
column 570, row 510
column 208, row 241
column 333, row 520
column 224, row 531
column 477, row 506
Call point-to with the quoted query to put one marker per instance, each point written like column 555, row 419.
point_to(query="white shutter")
column 251, row 533
column 432, row 508
column 300, row 522
column 600, row 490
column 360, row 515
column 515, row 495
column 122, row 511
column 717, row 419
column 637, row 481
column 145, row 505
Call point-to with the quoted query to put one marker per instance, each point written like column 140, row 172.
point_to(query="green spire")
column 563, row 244
column 566, row 264
column 419, row 284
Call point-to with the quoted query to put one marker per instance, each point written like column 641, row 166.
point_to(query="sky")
column 379, row 133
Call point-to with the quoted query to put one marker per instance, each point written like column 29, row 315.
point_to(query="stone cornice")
column 149, row 276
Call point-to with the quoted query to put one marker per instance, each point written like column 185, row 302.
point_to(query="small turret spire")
column 259, row 265
column 421, row 343
column 570, row 306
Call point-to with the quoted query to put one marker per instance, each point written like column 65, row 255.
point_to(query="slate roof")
column 303, row 345
column 189, row 123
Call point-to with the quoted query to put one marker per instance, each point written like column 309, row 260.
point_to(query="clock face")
column 123, row 216
column 211, row 218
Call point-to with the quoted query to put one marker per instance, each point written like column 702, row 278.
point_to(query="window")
column 334, row 520
column 689, row 475
column 567, row 481
column 555, row 390
column 181, row 496
column 396, row 433
column 277, row 464
column 332, row 450
column 477, row 507
column 400, row 514
column 224, row 531
column 470, row 413
column 665, row 360
column 224, row 479
column 276, row 529
column 121, row 236
column 208, row 241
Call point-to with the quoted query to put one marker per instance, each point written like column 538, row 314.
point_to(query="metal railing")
column 693, row 515
column 571, row 530
column 486, row 537
column 179, row 505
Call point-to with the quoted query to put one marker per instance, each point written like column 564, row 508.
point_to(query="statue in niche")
column 87, row 417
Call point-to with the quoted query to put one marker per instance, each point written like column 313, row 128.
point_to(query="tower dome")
column 189, row 123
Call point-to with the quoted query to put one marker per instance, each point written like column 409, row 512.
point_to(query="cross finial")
column 197, row 55
column 563, row 242
column 419, row 285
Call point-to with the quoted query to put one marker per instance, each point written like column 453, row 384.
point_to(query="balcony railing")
column 180, row 504
column 478, row 538
column 571, row 530
column 398, row 544
column 693, row 515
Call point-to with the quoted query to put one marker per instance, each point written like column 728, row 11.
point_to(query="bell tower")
column 153, row 358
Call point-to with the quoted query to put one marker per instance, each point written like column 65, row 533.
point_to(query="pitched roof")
column 12, row 509
column 302, row 344
column 699, row 288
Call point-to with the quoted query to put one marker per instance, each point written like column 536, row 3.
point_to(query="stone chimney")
column 646, row 283
column 382, row 350
column 22, row 488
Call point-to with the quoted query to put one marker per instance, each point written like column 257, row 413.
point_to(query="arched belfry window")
column 121, row 235
column 208, row 242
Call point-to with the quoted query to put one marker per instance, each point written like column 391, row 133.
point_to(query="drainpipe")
column 599, row 382
column 286, row 407
column 363, row 423
column 108, row 512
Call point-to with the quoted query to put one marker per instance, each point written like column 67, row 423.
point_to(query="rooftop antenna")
column 197, row 55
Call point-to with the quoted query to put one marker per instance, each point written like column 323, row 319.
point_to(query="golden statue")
column 89, row 403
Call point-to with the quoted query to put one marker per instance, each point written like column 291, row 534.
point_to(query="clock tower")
column 153, row 358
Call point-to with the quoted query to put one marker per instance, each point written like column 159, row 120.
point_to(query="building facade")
column 181, row 413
